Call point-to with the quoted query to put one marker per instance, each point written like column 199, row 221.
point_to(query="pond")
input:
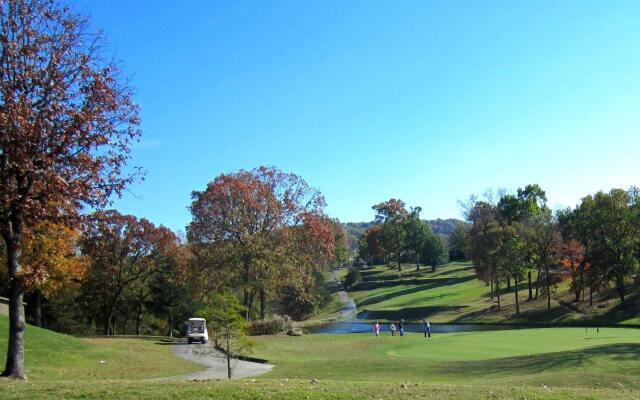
column 364, row 327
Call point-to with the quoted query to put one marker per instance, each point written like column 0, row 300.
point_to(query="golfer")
column 427, row 328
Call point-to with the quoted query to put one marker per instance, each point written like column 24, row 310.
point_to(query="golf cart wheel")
column 203, row 340
column 189, row 340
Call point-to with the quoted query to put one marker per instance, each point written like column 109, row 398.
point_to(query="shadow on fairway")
column 523, row 365
column 408, row 313
column 427, row 285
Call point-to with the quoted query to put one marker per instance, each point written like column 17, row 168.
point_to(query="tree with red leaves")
column 123, row 251
column 370, row 245
column 262, row 228
column 67, row 122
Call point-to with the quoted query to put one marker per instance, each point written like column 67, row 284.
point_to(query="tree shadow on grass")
column 408, row 313
column 531, row 364
column 427, row 282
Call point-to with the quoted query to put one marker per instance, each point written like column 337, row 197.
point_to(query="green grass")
column 561, row 357
column 50, row 356
column 560, row 363
column 452, row 294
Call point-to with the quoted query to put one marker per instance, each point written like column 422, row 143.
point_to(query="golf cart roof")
column 197, row 319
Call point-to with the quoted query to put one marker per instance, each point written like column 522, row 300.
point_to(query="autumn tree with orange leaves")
column 50, row 262
column 67, row 120
column 261, row 230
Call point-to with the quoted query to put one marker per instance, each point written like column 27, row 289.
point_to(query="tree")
column 609, row 225
column 392, row 214
column 263, row 227
column 170, row 288
column 482, row 215
column 434, row 251
column 543, row 236
column 510, row 254
column 50, row 262
column 459, row 242
column 417, row 233
column 370, row 246
column 123, row 251
column 526, row 204
column 352, row 278
column 67, row 122
column 225, row 316
column 341, row 247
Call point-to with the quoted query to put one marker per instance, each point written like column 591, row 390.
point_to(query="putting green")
column 563, row 356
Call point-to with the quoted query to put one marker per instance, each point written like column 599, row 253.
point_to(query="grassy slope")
column 453, row 294
column 50, row 356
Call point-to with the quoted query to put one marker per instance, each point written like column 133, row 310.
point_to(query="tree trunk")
column 498, row 293
column 491, row 289
column 108, row 322
column 538, row 281
column 250, row 305
column 138, row 318
column 15, row 353
column 530, row 287
column 515, row 281
column 581, row 286
column 245, row 303
column 417, row 261
column 228, row 353
column 37, row 308
column 508, row 283
column 170, row 324
column 591, row 295
column 433, row 268
column 263, row 304
column 620, row 286
column 548, row 279
column 398, row 259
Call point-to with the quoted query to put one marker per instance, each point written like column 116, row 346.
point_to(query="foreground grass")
column 299, row 390
column 452, row 294
column 560, row 357
column 563, row 363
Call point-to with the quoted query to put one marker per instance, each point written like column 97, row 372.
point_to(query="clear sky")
column 427, row 101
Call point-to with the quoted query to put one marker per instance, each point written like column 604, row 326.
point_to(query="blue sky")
column 427, row 101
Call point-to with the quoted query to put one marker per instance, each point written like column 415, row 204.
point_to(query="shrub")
column 278, row 324
column 353, row 277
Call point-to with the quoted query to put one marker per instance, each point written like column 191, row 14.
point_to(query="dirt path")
column 215, row 362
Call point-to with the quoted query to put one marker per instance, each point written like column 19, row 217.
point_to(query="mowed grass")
column 555, row 357
column 561, row 363
column 453, row 294
column 50, row 356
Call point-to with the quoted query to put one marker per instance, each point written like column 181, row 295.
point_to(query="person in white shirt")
column 427, row 328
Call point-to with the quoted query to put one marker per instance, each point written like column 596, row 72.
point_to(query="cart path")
column 215, row 362
column 349, row 311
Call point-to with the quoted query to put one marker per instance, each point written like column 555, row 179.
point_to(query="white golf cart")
column 197, row 330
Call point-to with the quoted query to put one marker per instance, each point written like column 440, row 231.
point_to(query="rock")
column 314, row 381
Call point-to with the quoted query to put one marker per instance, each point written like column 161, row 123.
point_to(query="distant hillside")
column 439, row 226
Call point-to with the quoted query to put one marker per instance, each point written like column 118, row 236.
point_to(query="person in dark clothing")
column 401, row 327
